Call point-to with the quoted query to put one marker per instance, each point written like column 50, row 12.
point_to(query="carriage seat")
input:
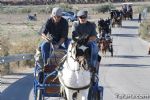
column 53, row 61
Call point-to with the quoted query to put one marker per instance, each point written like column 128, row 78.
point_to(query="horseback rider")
column 81, row 28
column 55, row 31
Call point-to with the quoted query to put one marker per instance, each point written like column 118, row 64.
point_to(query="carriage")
column 47, row 82
column 127, row 11
column 116, row 17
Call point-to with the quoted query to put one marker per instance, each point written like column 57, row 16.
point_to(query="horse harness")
column 81, row 66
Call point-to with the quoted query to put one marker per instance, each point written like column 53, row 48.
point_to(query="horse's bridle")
column 77, row 60
column 73, row 45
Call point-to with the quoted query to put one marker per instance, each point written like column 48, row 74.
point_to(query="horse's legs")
column 69, row 93
column 105, row 52
column 83, row 94
column 102, row 52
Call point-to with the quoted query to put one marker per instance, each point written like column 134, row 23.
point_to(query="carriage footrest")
column 101, row 89
column 50, row 90
column 52, row 95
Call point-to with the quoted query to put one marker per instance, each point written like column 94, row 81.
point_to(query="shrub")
column 66, row 7
column 29, row 9
column 4, row 51
column 148, row 9
column 104, row 8
column 25, row 10
column 144, row 30
column 46, row 9
column 4, row 46
column 141, row 8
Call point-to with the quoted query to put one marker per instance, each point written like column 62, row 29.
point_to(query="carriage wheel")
column 90, row 97
column 39, row 95
column 94, row 94
column 100, row 91
column 97, row 95
column 90, row 94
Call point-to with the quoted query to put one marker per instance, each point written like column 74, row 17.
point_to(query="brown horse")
column 105, row 45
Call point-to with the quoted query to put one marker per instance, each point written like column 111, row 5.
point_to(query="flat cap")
column 82, row 13
column 57, row 11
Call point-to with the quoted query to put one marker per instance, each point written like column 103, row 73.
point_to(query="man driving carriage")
column 84, row 28
column 55, row 31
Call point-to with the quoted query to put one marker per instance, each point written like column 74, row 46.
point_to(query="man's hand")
column 48, row 39
column 92, row 38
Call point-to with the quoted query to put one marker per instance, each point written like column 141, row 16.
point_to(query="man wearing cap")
column 55, row 30
column 81, row 28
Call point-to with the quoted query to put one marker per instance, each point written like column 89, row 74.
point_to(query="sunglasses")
column 82, row 17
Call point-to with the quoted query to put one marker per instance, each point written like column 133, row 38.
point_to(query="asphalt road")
column 126, row 76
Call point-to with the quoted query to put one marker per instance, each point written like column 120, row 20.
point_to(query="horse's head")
column 79, row 51
column 82, row 50
column 75, row 75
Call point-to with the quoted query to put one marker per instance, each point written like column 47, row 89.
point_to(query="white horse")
column 75, row 76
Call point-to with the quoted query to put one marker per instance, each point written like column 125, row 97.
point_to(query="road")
column 124, row 76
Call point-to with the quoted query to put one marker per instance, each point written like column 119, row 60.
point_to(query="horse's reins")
column 71, row 52
column 75, row 60
column 83, row 36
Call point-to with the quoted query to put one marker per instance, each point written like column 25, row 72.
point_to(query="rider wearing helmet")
column 56, row 31
column 82, row 28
